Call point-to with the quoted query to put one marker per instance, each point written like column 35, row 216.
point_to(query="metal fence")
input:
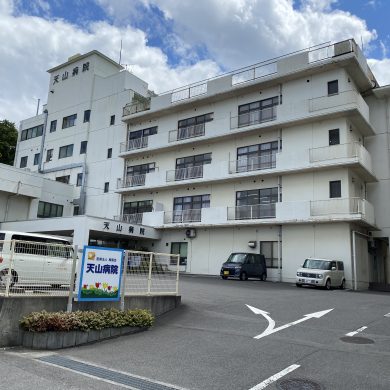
column 30, row 268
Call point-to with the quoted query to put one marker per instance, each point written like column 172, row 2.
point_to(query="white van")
column 36, row 259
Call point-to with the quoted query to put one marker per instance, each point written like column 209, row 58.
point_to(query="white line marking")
column 387, row 315
column 271, row 323
column 275, row 377
column 350, row 334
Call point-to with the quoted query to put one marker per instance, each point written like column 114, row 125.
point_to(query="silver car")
column 321, row 273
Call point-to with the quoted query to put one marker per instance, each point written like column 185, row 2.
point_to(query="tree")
column 8, row 140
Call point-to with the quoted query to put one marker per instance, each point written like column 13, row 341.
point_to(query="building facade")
column 283, row 158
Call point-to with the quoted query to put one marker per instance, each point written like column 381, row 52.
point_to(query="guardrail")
column 253, row 117
column 185, row 173
column 257, row 211
column 267, row 161
column 186, row 132
column 183, row 216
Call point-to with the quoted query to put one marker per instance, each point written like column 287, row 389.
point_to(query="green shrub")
column 86, row 320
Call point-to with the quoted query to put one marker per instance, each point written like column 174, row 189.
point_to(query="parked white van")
column 34, row 259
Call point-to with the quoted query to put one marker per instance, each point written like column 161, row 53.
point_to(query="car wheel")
column 298, row 285
column 224, row 277
column 328, row 285
column 342, row 285
column 263, row 277
column 243, row 276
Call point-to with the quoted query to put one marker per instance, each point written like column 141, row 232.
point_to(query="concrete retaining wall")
column 14, row 308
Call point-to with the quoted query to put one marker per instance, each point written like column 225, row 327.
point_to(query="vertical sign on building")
column 101, row 274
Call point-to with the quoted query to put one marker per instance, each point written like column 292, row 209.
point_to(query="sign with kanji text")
column 101, row 273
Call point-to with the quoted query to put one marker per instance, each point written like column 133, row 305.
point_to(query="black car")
column 243, row 265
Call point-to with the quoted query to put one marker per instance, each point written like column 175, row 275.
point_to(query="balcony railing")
column 253, row 117
column 183, row 216
column 187, row 132
column 131, row 109
column 253, row 163
column 336, row 206
column 132, row 181
column 185, row 173
column 133, row 144
column 257, row 211
column 130, row 218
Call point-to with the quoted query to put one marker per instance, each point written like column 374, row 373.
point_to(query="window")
column 335, row 189
column 106, row 186
column 83, row 147
column 49, row 210
column 53, row 126
column 112, row 120
column 65, row 151
column 334, row 137
column 179, row 248
column 257, row 112
column 137, row 207
column 136, row 170
column 254, row 157
column 63, row 179
column 109, row 152
column 23, row 162
column 139, row 139
column 270, row 251
column 254, row 204
column 76, row 210
column 190, row 167
column 69, row 121
column 36, row 158
column 87, row 115
column 32, row 132
column 333, row 87
column 79, row 181
column 49, row 155
column 195, row 120
column 188, row 208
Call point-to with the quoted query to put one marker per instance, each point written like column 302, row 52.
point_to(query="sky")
column 170, row 43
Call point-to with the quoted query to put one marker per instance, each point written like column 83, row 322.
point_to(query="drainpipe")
column 40, row 163
column 354, row 232
column 280, row 253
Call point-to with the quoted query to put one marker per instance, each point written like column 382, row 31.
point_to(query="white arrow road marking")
column 350, row 334
column 271, row 323
column 275, row 377
column 387, row 315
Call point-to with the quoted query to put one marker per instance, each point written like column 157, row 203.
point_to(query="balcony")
column 183, row 216
column 132, row 181
column 134, row 144
column 185, row 173
column 186, row 133
column 253, row 117
column 130, row 218
column 134, row 108
column 253, row 163
column 257, row 211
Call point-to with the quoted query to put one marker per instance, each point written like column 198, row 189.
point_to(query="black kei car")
column 244, row 265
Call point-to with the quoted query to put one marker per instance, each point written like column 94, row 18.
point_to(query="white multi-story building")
column 284, row 158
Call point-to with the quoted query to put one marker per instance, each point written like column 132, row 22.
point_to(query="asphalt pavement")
column 208, row 343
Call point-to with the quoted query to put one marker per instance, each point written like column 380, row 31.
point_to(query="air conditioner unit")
column 191, row 233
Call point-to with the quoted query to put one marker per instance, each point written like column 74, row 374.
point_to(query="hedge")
column 44, row 321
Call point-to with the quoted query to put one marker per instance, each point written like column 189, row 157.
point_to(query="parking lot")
column 209, row 342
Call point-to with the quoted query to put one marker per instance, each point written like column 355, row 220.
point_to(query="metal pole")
column 177, row 274
column 150, row 274
column 279, row 253
column 9, row 275
column 123, row 283
column 72, row 285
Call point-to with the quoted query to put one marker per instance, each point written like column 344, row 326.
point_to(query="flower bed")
column 43, row 330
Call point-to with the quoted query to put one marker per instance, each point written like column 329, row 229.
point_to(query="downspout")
column 40, row 167
column 280, row 253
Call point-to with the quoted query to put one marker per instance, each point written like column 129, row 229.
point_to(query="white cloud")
column 31, row 45
column 381, row 70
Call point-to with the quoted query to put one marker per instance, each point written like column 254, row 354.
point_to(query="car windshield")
column 317, row 264
column 236, row 258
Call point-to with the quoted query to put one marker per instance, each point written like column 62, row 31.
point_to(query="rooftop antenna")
column 120, row 54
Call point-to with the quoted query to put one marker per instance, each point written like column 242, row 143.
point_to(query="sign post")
column 101, row 274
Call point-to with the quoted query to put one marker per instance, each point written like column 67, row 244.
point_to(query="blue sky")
column 170, row 43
